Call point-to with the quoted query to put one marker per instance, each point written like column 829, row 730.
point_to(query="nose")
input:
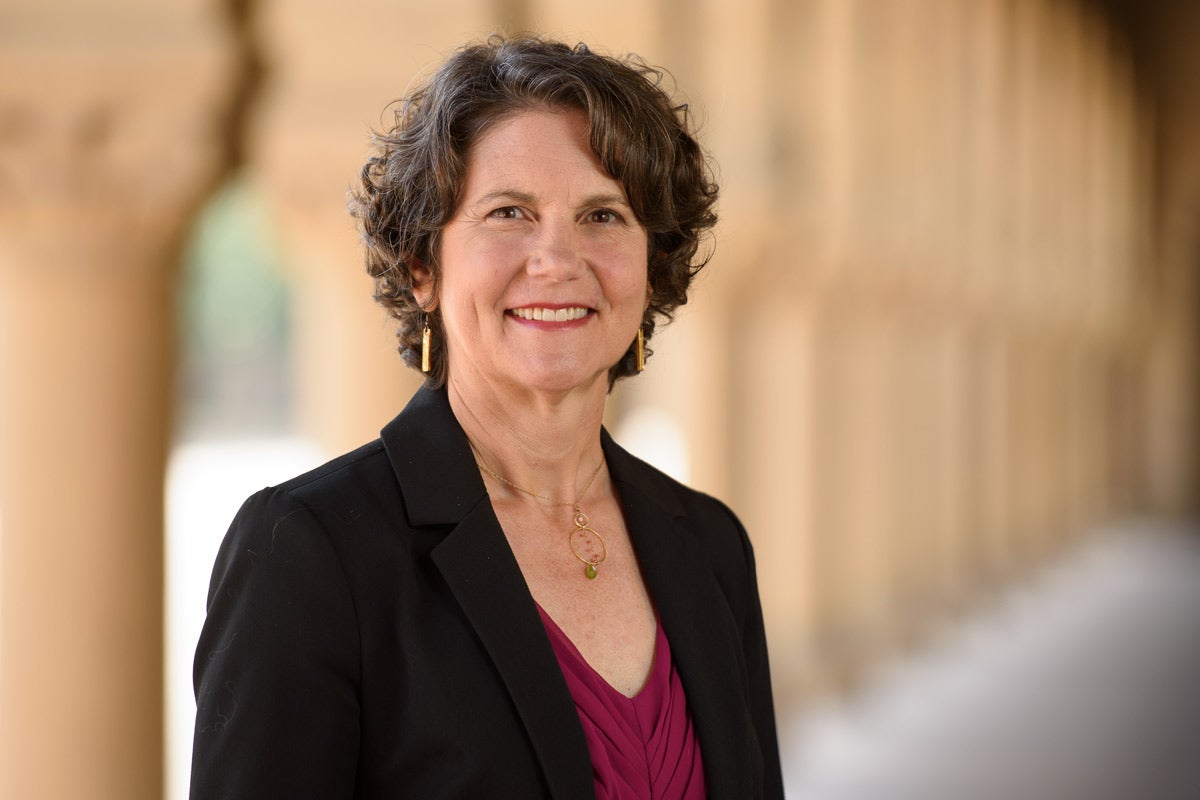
column 556, row 252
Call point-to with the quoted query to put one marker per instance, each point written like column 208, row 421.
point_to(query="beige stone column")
column 776, row 473
column 777, row 245
column 619, row 27
column 993, row 523
column 853, row 487
column 985, row 266
column 1173, row 353
column 114, row 127
column 334, row 67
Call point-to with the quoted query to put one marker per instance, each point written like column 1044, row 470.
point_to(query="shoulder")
column 722, row 537
column 279, row 648
column 335, row 487
column 296, row 519
column 367, row 464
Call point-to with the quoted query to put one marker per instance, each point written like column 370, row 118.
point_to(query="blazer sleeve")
column 758, row 672
column 277, row 666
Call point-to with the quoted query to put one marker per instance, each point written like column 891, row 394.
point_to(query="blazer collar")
column 432, row 460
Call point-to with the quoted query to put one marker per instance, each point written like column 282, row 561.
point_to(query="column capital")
column 115, row 123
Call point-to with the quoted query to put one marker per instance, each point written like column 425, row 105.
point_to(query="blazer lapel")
column 441, row 486
column 694, row 614
column 483, row 574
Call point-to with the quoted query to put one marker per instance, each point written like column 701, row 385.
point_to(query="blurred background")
column 945, row 363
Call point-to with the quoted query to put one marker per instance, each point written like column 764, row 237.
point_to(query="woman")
column 494, row 599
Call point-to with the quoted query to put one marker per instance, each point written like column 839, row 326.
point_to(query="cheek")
column 635, row 283
column 627, row 268
column 474, row 279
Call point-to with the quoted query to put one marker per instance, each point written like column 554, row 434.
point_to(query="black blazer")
column 369, row 635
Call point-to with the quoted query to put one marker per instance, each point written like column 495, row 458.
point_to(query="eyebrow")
column 606, row 200
column 602, row 199
column 506, row 194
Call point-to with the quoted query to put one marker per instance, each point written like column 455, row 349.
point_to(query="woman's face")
column 543, row 266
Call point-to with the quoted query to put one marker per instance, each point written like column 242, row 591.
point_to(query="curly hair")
column 411, row 184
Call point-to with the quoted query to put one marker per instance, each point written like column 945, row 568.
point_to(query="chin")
column 562, row 378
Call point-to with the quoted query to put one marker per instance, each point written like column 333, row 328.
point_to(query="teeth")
column 551, row 314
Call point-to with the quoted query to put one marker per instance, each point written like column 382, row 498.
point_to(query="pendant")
column 587, row 545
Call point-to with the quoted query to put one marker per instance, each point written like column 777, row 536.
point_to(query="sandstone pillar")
column 113, row 131
column 335, row 67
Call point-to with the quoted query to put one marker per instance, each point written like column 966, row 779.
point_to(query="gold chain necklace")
column 583, row 538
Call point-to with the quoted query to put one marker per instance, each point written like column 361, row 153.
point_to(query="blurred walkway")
column 1083, row 684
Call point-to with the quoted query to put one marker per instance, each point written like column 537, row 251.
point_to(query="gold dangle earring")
column 425, row 337
column 639, row 352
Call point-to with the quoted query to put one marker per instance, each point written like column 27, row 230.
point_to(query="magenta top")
column 642, row 747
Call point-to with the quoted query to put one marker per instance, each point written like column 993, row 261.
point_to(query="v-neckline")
column 659, row 646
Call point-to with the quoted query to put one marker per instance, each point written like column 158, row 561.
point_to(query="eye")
column 604, row 216
column 506, row 212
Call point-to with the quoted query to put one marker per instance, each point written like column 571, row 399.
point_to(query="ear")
column 422, row 284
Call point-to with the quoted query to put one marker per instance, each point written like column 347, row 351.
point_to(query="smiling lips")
column 550, row 314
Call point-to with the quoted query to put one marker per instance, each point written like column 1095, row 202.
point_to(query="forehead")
column 535, row 146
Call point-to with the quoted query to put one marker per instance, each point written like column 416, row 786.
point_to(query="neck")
column 547, row 444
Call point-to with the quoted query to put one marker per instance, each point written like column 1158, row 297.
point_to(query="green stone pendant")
column 590, row 571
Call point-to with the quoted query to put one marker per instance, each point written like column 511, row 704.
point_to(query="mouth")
column 543, row 314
